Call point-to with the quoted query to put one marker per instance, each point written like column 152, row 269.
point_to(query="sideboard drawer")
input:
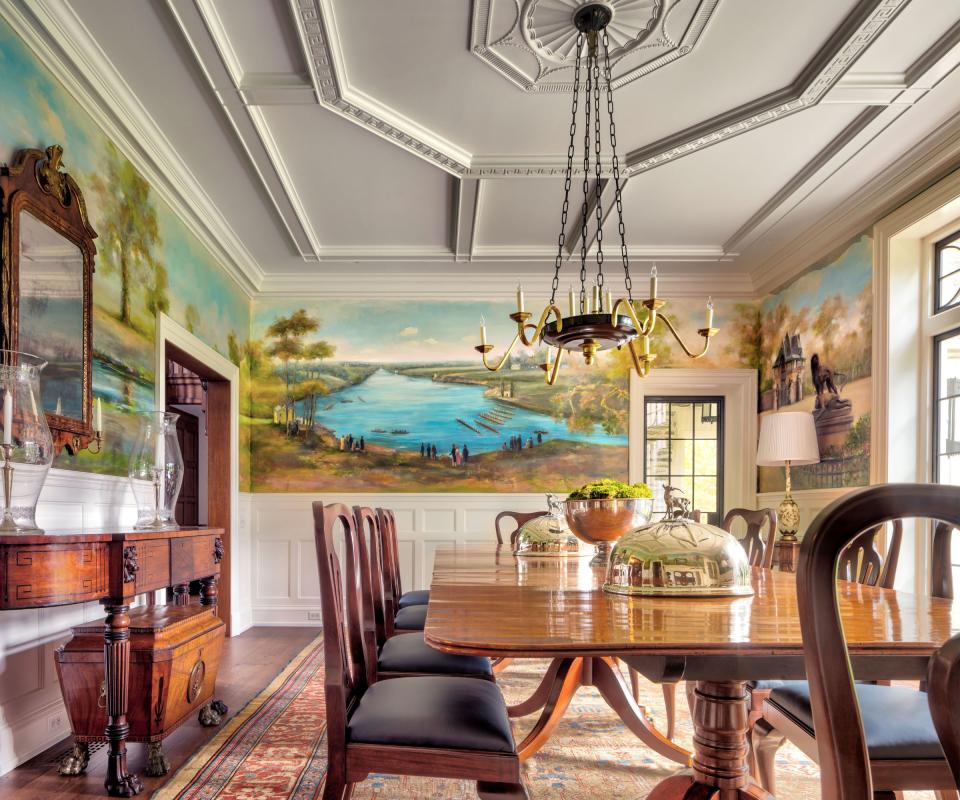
column 194, row 557
column 55, row 574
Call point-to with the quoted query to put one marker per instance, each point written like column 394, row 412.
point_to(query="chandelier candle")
column 595, row 320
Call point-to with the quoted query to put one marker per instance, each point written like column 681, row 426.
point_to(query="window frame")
column 952, row 240
column 719, row 400
column 936, row 341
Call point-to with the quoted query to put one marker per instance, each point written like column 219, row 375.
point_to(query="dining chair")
column 943, row 699
column 870, row 740
column 402, row 654
column 519, row 518
column 410, row 608
column 429, row 726
column 759, row 551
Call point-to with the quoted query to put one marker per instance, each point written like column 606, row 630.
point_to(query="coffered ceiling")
column 422, row 143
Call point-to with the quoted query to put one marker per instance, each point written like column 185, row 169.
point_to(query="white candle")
column 160, row 456
column 609, row 301
column 59, row 411
column 709, row 312
column 33, row 406
column 596, row 298
column 572, row 312
column 483, row 330
column 7, row 418
column 519, row 297
column 98, row 417
column 653, row 282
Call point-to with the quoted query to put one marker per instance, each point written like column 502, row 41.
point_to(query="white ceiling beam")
column 466, row 214
column 63, row 44
column 208, row 41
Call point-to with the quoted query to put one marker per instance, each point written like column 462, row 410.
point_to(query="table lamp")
column 788, row 437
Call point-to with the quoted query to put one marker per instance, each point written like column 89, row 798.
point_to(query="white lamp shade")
column 787, row 436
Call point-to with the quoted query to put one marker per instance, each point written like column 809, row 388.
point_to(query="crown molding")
column 454, row 283
column 62, row 43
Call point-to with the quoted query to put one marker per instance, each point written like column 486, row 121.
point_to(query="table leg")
column 720, row 749
column 610, row 683
column 181, row 594
column 564, row 687
column 541, row 694
column 209, row 591
column 116, row 657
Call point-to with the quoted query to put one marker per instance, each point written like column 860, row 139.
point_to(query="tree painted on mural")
column 130, row 233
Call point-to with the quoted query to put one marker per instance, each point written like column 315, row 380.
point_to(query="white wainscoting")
column 32, row 714
column 285, row 585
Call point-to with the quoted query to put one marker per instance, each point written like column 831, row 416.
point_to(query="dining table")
column 484, row 600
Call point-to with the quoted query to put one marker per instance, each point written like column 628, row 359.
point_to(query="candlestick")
column 653, row 282
column 519, row 297
column 8, row 523
column 7, row 418
column 709, row 313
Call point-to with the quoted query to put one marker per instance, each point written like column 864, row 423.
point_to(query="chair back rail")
column 519, row 518
column 844, row 765
column 861, row 560
column 390, row 572
column 371, row 584
column 941, row 574
column 943, row 697
column 759, row 548
column 345, row 671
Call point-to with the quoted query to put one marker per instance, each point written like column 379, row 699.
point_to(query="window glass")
column 947, row 266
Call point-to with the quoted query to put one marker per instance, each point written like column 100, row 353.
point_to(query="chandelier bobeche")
column 594, row 322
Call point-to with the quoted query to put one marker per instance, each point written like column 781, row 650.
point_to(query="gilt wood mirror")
column 47, row 287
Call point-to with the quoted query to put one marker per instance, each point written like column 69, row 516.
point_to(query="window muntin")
column 946, row 277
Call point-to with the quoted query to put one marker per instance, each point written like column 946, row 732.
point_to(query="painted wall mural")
column 147, row 260
column 404, row 405
column 814, row 340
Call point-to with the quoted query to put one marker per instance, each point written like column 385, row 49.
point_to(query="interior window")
column 683, row 447
column 947, row 277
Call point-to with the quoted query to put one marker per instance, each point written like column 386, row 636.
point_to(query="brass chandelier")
column 594, row 322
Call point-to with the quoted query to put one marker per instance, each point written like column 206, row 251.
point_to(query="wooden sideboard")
column 112, row 567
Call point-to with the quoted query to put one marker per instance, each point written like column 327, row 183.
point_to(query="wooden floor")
column 250, row 662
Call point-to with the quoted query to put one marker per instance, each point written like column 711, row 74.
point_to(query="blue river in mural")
column 428, row 412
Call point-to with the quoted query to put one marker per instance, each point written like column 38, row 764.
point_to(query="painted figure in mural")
column 823, row 382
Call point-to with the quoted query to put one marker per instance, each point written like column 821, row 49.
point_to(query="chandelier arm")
column 641, row 364
column 483, row 349
column 568, row 177
column 615, row 164
column 535, row 338
column 625, row 306
column 706, row 333
column 551, row 374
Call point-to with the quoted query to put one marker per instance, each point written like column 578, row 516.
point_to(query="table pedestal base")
column 720, row 749
column 561, row 682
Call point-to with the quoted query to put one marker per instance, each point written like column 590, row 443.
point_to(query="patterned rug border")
column 189, row 771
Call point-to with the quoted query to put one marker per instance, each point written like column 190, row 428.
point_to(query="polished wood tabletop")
column 487, row 601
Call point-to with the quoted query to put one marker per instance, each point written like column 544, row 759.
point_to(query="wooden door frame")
column 223, row 464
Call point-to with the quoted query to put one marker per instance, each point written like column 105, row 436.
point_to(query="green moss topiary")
column 607, row 488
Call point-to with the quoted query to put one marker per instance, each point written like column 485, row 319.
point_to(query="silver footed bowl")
column 681, row 558
column 549, row 536
column 602, row 522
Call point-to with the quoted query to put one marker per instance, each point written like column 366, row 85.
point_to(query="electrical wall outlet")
column 57, row 723
column 314, row 615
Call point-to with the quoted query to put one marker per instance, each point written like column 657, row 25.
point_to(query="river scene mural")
column 403, row 404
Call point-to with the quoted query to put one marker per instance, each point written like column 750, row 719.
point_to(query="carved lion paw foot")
column 157, row 763
column 127, row 786
column 75, row 762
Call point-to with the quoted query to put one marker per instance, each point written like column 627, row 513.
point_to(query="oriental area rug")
column 275, row 749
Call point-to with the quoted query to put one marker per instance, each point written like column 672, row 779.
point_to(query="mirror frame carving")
column 36, row 182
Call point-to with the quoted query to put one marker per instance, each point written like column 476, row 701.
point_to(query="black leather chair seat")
column 411, row 618
column 418, row 598
column 409, row 653
column 445, row 712
column 896, row 719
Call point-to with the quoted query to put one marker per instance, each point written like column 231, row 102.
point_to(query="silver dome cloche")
column 549, row 535
column 678, row 557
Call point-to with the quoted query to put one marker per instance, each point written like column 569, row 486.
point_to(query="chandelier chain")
column 615, row 162
column 568, row 180
column 585, row 211
column 598, row 185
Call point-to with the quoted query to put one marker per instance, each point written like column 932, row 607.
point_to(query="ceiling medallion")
column 533, row 42
column 594, row 322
